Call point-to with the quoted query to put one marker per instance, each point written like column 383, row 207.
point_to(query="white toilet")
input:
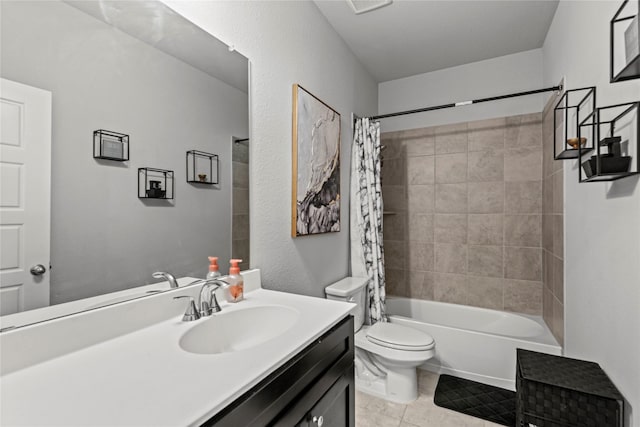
column 387, row 354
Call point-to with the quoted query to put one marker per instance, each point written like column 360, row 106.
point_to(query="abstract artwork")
column 316, row 165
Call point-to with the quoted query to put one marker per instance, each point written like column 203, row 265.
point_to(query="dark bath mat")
column 478, row 400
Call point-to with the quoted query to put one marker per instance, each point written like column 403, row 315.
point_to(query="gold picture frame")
column 315, row 195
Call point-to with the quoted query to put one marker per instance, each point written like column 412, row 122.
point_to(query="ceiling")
column 156, row 24
column 414, row 37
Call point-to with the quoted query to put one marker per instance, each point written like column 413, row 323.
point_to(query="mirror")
column 137, row 68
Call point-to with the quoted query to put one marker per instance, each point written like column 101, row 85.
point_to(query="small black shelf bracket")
column 155, row 183
column 572, row 107
column 615, row 156
column 624, row 42
column 202, row 168
column 109, row 145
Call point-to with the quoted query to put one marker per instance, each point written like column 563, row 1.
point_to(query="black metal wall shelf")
column 110, row 145
column 624, row 42
column 615, row 127
column 202, row 168
column 155, row 183
column 573, row 106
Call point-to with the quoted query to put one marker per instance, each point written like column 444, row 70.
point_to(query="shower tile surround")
column 240, row 209
column 552, row 230
column 464, row 213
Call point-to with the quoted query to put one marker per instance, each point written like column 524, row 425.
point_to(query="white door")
column 25, row 196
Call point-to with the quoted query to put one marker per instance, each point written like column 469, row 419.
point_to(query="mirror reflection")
column 129, row 67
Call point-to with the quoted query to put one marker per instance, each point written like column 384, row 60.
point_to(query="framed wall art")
column 316, row 166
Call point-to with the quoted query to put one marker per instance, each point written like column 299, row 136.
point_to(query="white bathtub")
column 474, row 343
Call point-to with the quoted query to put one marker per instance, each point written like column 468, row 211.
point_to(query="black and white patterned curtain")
column 367, row 254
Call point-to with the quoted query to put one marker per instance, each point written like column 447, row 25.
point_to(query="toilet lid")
column 399, row 337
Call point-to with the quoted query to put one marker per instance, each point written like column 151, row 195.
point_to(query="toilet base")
column 399, row 385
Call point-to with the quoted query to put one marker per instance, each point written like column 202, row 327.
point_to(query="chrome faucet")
column 207, row 301
column 173, row 283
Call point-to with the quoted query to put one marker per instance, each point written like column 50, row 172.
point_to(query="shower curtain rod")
column 460, row 104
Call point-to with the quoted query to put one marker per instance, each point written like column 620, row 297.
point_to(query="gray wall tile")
column 420, row 170
column 524, row 131
column 240, row 227
column 547, row 306
column 421, row 284
column 487, row 134
column 451, row 198
column 391, row 148
column 423, row 146
column 486, row 166
column 450, row 228
column 240, row 201
column 486, row 292
column 547, row 270
column 486, row 261
column 451, row 138
column 486, row 197
column 420, row 198
column 523, row 296
column 240, row 152
column 557, row 325
column 558, row 278
column 451, row 168
column 485, row 229
column 523, row 263
column 394, row 198
column 420, row 256
column 395, row 226
column 420, row 227
column 395, row 254
column 558, row 235
column 240, row 175
column 547, row 232
column 450, row 288
column 393, row 172
column 523, row 164
column 523, row 230
column 395, row 282
column 558, row 193
column 523, row 197
column 451, row 258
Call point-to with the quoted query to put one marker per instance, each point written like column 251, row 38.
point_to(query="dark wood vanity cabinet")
column 314, row 388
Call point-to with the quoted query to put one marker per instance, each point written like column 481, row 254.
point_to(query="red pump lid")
column 213, row 263
column 235, row 269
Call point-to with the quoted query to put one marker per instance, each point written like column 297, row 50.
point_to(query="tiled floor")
column 374, row 412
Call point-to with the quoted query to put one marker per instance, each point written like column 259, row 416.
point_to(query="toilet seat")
column 399, row 337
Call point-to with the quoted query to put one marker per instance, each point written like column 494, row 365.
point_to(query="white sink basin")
column 238, row 330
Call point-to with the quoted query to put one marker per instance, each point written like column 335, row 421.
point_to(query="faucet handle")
column 192, row 312
column 213, row 303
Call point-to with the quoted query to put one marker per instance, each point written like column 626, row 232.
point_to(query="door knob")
column 318, row 420
column 38, row 270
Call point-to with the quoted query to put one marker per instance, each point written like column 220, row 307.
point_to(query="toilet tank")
column 350, row 289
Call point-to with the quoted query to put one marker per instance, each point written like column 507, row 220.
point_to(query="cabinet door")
column 333, row 409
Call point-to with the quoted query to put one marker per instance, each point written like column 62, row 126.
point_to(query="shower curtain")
column 367, row 255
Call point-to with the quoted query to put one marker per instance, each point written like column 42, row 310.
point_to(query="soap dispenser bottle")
column 235, row 290
column 213, row 268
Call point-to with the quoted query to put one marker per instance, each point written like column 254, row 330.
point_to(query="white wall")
column 498, row 76
column 602, row 220
column 103, row 237
column 287, row 43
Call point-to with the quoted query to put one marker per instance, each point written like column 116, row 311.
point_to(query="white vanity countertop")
column 145, row 378
column 58, row 310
